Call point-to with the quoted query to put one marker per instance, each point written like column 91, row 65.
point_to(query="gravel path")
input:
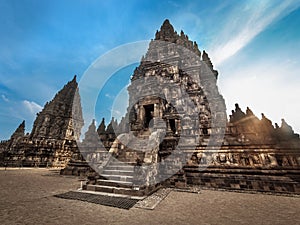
column 27, row 198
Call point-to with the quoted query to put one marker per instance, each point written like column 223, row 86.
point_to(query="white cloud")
column 32, row 107
column 117, row 113
column 4, row 98
column 107, row 95
column 246, row 22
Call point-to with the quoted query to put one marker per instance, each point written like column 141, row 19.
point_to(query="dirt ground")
column 27, row 198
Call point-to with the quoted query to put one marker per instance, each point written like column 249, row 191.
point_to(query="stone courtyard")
column 27, row 197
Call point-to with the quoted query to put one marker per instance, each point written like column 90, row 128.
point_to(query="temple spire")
column 57, row 119
column 91, row 136
column 101, row 128
column 19, row 132
column 166, row 32
column 74, row 78
column 208, row 62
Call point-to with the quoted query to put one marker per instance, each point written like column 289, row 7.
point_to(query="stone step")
column 119, row 162
column 114, row 183
column 115, row 190
column 136, row 151
column 142, row 144
column 118, row 172
column 112, row 194
column 118, row 177
column 116, row 167
column 130, row 161
column 144, row 136
column 139, row 150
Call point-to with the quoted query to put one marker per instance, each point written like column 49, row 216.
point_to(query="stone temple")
column 54, row 134
column 175, row 133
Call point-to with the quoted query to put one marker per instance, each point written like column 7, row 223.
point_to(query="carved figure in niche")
column 273, row 160
column 222, row 158
column 293, row 161
column 262, row 158
column 215, row 159
column 245, row 160
column 267, row 160
column 237, row 158
column 199, row 157
column 255, row 159
column 285, row 161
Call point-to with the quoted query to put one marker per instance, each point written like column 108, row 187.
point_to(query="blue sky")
column 253, row 44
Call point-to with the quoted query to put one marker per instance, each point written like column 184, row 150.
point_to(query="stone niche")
column 155, row 113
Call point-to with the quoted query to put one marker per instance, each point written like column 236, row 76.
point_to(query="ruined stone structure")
column 178, row 134
column 54, row 134
column 175, row 132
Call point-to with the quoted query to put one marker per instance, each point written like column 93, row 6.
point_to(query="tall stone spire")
column 61, row 118
column 101, row 128
column 91, row 136
column 167, row 33
column 111, row 126
column 17, row 135
column 159, row 48
column 19, row 132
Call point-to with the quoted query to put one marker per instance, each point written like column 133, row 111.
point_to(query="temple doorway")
column 172, row 125
column 149, row 111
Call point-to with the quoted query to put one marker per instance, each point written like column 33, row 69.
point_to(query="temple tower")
column 55, row 132
column 19, row 132
column 169, row 90
column 61, row 118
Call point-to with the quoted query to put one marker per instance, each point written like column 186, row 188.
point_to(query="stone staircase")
column 117, row 179
column 135, row 149
column 118, row 176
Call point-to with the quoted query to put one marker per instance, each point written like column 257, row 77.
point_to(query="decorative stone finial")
column 249, row 112
column 208, row 62
column 101, row 128
column 166, row 32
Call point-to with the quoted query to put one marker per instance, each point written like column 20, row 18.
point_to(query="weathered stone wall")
column 251, row 168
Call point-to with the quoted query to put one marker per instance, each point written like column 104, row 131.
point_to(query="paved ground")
column 27, row 198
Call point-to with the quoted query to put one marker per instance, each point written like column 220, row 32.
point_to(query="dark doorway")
column 172, row 125
column 149, row 110
column 205, row 131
